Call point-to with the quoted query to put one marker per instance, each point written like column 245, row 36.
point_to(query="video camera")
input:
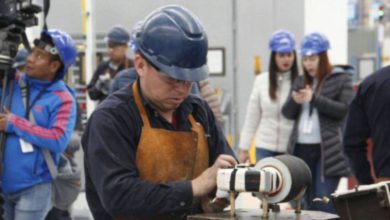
column 15, row 16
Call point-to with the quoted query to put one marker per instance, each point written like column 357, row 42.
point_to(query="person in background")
column 368, row 117
column 319, row 103
column 270, row 91
column 20, row 60
column 152, row 150
column 117, row 41
column 37, row 133
column 208, row 93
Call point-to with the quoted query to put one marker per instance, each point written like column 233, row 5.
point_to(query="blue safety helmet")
column 313, row 44
column 20, row 59
column 282, row 41
column 64, row 47
column 118, row 34
column 173, row 39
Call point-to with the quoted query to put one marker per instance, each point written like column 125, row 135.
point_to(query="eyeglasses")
column 171, row 81
column 164, row 77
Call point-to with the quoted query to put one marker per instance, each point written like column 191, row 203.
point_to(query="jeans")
column 263, row 153
column 311, row 154
column 31, row 203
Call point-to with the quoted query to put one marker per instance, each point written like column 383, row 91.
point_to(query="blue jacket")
column 123, row 78
column 55, row 114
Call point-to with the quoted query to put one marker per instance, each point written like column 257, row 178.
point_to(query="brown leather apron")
column 164, row 155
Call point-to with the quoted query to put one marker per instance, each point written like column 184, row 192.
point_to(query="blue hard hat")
column 118, row 34
column 313, row 44
column 173, row 39
column 65, row 46
column 20, row 59
column 282, row 41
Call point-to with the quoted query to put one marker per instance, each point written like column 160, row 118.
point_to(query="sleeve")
column 110, row 164
column 290, row 108
column 115, row 84
column 216, row 139
column 355, row 140
column 336, row 109
column 93, row 92
column 252, row 117
column 54, row 137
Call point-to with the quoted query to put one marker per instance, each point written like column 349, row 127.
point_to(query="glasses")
column 164, row 77
column 171, row 81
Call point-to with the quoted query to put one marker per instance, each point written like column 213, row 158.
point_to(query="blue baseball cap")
column 118, row 34
column 282, row 41
column 314, row 43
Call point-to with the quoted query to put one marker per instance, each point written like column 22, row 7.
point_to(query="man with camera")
column 100, row 84
column 38, row 126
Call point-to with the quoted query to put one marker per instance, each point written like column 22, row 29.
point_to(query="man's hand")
column 207, row 181
column 243, row 156
column 4, row 119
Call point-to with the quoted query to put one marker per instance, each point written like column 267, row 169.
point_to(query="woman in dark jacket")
column 318, row 104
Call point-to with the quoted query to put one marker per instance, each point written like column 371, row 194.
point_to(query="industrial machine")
column 273, row 180
column 364, row 202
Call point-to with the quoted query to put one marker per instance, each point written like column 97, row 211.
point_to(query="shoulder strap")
column 140, row 106
column 46, row 154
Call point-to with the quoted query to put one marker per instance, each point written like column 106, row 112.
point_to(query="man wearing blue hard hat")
column 152, row 150
column 38, row 126
column 117, row 41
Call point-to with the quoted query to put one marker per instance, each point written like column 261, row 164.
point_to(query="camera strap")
column 46, row 154
column 46, row 7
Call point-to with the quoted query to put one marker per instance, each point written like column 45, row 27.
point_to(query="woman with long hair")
column 270, row 90
column 319, row 103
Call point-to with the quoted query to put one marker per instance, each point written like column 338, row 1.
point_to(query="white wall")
column 331, row 18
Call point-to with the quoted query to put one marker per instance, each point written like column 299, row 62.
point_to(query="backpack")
column 67, row 184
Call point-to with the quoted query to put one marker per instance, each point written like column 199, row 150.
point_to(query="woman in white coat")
column 269, row 93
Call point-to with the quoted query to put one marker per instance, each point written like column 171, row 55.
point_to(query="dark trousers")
column 58, row 214
column 311, row 154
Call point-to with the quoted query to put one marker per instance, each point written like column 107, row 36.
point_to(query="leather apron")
column 164, row 155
